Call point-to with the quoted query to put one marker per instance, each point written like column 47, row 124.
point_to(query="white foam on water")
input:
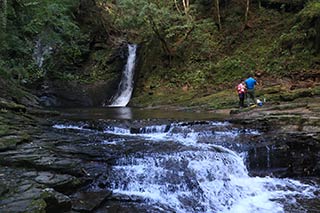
column 206, row 178
column 158, row 133
column 267, row 192
column 203, row 181
column 63, row 126
column 117, row 131
column 112, row 142
column 154, row 129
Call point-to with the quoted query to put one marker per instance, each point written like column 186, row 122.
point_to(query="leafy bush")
column 49, row 22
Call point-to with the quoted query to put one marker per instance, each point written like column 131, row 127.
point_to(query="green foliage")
column 310, row 11
column 154, row 19
column 189, row 49
column 233, row 68
column 203, row 43
column 141, row 16
column 49, row 22
column 294, row 50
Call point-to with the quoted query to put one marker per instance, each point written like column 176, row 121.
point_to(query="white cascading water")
column 123, row 95
column 40, row 51
column 192, row 176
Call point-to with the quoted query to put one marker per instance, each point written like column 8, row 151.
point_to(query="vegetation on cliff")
column 191, row 48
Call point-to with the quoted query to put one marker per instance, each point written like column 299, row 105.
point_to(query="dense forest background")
column 191, row 48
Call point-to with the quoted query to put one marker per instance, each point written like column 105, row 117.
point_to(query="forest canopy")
column 200, row 41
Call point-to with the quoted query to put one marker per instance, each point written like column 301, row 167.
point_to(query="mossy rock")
column 37, row 206
column 11, row 141
column 291, row 95
column 4, row 129
column 12, row 106
column 289, row 106
column 3, row 189
column 55, row 201
column 269, row 90
column 220, row 100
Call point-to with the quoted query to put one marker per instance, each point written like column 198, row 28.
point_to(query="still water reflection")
column 124, row 113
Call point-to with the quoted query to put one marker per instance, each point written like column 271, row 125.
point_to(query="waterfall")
column 123, row 95
column 40, row 51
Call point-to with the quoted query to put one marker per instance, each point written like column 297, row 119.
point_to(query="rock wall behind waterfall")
column 83, row 91
column 93, row 75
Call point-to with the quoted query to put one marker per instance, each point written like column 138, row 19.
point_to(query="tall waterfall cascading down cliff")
column 123, row 95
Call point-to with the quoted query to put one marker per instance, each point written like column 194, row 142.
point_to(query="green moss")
column 287, row 95
column 217, row 100
column 37, row 206
column 10, row 139
column 12, row 106
column 312, row 10
column 4, row 129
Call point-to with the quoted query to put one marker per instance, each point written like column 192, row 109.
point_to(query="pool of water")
column 127, row 113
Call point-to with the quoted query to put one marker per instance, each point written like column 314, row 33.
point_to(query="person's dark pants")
column 250, row 95
column 241, row 99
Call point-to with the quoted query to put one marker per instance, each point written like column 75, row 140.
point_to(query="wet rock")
column 18, row 159
column 55, row 201
column 25, row 199
column 75, row 93
column 286, row 155
column 60, row 182
column 42, row 112
column 11, row 141
column 31, row 198
column 88, row 201
column 37, row 205
column 4, row 104
column 3, row 189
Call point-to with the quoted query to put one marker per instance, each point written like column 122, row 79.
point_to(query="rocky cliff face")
column 95, row 83
column 85, row 71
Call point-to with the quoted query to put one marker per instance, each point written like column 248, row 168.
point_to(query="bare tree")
column 217, row 4
column 186, row 6
column 177, row 6
column 247, row 12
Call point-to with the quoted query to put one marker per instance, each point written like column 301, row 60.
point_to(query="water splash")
column 201, row 181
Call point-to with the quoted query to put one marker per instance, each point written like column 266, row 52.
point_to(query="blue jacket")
column 250, row 82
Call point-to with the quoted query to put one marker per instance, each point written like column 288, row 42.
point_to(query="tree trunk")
column 247, row 12
column 3, row 13
column 186, row 7
column 181, row 40
column 165, row 46
column 177, row 6
column 218, row 14
column 317, row 38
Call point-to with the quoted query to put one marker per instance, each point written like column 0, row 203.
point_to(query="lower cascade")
column 123, row 95
column 181, row 167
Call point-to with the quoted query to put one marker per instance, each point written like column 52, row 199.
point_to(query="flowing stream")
column 188, row 166
column 123, row 95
